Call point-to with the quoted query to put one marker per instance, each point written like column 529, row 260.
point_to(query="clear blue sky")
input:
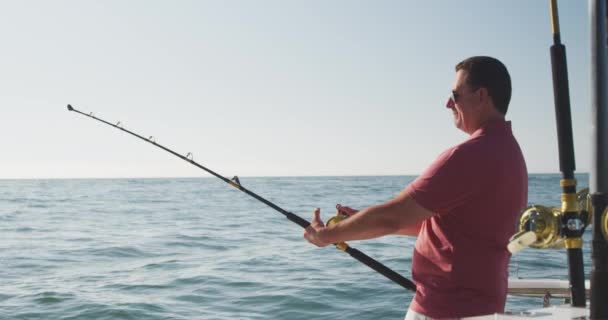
column 270, row 88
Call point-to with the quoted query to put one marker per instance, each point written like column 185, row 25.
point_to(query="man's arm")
column 400, row 215
column 410, row 231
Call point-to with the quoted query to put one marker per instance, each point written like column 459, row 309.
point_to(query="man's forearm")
column 369, row 223
column 401, row 215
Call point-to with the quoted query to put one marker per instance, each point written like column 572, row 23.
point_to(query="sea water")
column 195, row 248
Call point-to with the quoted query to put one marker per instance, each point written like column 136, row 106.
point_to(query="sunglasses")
column 453, row 99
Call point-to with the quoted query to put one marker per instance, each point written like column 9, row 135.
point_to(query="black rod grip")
column 562, row 110
column 576, row 273
column 382, row 269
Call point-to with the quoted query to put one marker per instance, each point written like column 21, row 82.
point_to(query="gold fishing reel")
column 333, row 220
column 540, row 227
column 545, row 223
column 605, row 224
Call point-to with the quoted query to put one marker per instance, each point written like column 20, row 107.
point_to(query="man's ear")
column 483, row 95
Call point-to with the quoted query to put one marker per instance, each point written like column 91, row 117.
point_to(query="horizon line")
column 245, row 176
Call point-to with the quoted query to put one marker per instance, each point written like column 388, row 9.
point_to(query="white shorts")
column 413, row 315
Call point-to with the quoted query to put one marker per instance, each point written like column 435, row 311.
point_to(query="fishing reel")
column 337, row 218
column 333, row 220
column 541, row 227
column 605, row 224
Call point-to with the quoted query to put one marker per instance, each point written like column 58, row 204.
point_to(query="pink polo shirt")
column 476, row 190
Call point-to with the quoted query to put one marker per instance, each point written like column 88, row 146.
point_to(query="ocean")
column 196, row 248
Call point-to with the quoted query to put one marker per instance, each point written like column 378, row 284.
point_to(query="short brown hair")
column 489, row 73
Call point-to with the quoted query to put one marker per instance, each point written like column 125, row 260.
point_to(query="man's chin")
column 457, row 122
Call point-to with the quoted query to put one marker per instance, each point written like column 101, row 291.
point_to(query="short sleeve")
column 454, row 178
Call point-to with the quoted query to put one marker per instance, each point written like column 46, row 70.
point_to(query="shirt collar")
column 493, row 127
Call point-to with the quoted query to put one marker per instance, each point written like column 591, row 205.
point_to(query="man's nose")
column 450, row 103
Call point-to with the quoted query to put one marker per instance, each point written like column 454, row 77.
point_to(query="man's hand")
column 314, row 232
column 346, row 210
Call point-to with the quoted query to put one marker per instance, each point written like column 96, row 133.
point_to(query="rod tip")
column 70, row 107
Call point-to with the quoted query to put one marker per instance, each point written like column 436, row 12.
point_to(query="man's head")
column 481, row 93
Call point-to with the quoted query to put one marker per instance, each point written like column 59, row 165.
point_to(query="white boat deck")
column 540, row 288
column 563, row 312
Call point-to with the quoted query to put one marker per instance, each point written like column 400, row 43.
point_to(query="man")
column 463, row 207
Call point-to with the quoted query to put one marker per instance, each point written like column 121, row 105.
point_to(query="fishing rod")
column 557, row 227
column 573, row 224
column 358, row 255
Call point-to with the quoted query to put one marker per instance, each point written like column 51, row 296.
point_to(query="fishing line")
column 358, row 255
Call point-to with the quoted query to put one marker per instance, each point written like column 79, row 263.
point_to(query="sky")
column 271, row 88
